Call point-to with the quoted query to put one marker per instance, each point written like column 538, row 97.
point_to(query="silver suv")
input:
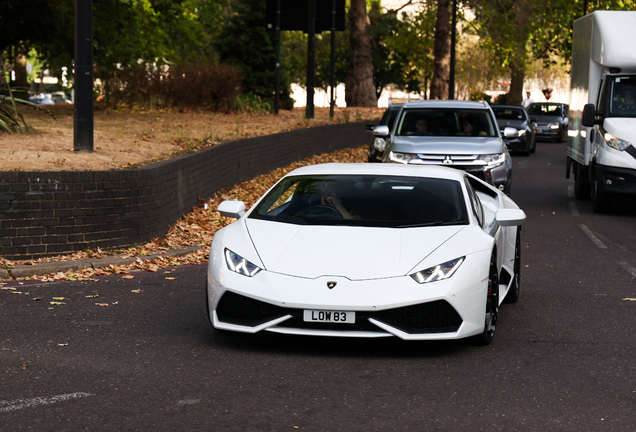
column 458, row 134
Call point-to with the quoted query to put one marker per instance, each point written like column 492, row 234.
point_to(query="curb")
column 65, row 266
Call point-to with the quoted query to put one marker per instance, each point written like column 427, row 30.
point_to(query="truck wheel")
column 601, row 203
column 582, row 189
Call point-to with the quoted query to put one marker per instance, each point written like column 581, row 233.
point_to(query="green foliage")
column 249, row 103
column 502, row 99
column 480, row 96
column 11, row 120
column 403, row 48
column 245, row 43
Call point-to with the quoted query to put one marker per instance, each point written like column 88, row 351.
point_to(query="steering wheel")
column 320, row 211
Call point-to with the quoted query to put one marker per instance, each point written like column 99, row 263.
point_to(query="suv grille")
column 432, row 317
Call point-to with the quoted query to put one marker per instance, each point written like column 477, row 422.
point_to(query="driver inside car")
column 330, row 197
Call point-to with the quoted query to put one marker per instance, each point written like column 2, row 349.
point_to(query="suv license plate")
column 329, row 316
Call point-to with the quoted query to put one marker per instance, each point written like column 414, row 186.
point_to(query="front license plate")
column 329, row 316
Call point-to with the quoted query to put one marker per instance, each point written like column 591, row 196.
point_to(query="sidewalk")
column 44, row 268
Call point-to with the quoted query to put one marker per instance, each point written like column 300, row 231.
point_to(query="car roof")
column 447, row 104
column 507, row 106
column 431, row 171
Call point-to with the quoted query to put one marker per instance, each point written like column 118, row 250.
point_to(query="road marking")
column 592, row 237
column 629, row 269
column 574, row 211
column 17, row 404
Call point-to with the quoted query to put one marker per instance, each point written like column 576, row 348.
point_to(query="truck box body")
column 603, row 57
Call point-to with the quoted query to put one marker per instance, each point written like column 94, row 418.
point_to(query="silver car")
column 458, row 134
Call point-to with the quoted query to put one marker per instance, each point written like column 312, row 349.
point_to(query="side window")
column 475, row 204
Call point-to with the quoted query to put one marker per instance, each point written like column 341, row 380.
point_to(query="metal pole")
column 451, row 81
column 311, row 59
column 83, row 120
column 333, row 58
column 277, row 97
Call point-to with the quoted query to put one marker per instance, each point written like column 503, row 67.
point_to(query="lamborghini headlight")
column 438, row 272
column 616, row 143
column 240, row 265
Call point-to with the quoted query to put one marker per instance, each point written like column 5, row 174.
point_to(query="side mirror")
column 232, row 209
column 369, row 126
column 510, row 132
column 589, row 116
column 381, row 131
column 510, row 217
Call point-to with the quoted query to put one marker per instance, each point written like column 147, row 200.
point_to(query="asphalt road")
column 563, row 358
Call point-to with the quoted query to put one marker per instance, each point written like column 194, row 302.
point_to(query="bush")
column 502, row 99
column 480, row 96
column 182, row 86
column 250, row 103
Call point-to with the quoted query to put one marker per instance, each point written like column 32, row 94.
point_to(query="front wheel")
column 600, row 201
column 492, row 305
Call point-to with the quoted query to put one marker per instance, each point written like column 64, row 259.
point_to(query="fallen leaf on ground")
column 58, row 298
column 630, row 299
column 170, row 278
column 92, row 296
column 36, row 298
column 64, row 344
column 101, row 304
column 137, row 291
column 128, row 277
column 57, row 303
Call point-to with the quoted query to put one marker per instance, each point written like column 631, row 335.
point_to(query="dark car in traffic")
column 518, row 129
column 376, row 148
column 552, row 120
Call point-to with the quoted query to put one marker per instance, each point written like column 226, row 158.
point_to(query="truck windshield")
column 622, row 96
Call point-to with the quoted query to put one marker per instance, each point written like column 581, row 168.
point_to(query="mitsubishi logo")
column 447, row 160
column 331, row 284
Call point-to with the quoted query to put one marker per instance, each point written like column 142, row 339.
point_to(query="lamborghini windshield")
column 380, row 201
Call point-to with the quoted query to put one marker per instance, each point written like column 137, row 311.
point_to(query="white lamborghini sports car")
column 368, row 250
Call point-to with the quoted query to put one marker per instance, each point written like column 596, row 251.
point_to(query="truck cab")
column 602, row 132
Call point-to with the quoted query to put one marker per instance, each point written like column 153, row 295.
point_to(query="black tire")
column 513, row 292
column 582, row 188
column 601, row 203
column 492, row 305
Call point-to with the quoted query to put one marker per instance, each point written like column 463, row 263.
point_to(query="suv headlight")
column 616, row 143
column 553, row 125
column 240, row 265
column 438, row 272
column 492, row 160
column 401, row 157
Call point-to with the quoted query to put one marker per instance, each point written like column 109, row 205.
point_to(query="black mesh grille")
column 237, row 309
column 433, row 317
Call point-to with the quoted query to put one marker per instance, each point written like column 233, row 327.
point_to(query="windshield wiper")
column 426, row 224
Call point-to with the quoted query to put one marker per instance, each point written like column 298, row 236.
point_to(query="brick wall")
column 52, row 213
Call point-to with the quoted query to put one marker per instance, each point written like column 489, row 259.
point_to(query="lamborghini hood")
column 353, row 252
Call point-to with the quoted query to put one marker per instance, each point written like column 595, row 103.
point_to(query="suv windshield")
column 369, row 200
column 446, row 121
column 545, row 109
column 622, row 96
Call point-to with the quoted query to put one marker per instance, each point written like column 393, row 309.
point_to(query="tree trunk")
column 441, row 51
column 359, row 87
column 21, row 87
column 515, row 96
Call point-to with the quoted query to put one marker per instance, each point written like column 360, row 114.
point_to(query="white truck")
column 601, row 148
